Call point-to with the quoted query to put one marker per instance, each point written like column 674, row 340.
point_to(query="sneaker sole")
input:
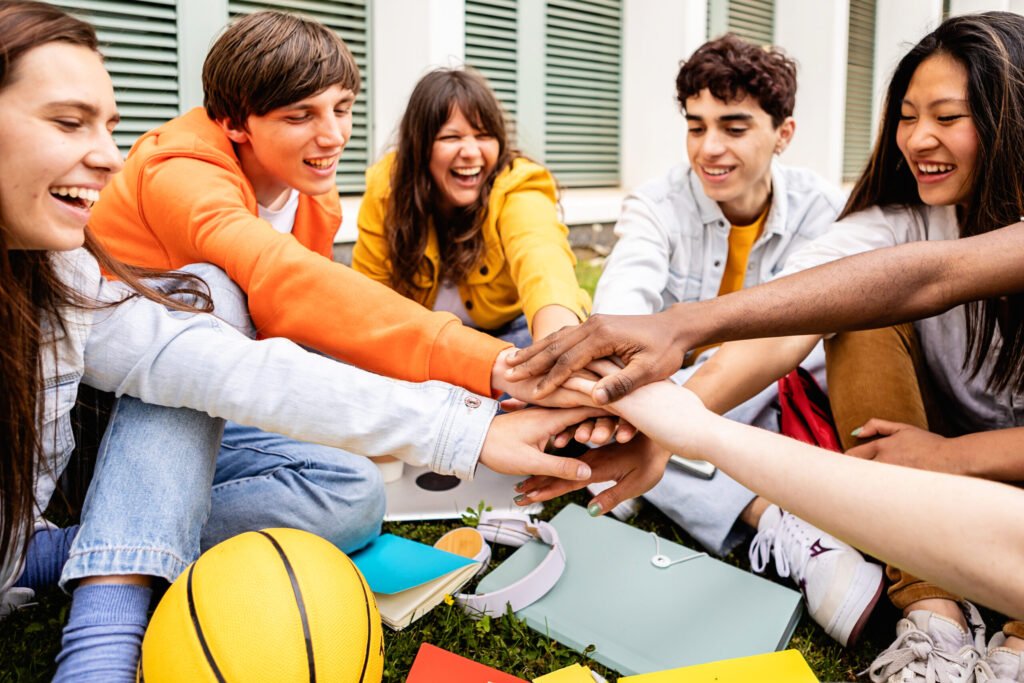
column 869, row 581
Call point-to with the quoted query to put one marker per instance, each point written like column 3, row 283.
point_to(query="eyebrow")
column 942, row 100
column 84, row 107
column 726, row 117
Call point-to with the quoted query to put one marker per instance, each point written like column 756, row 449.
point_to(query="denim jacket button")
column 472, row 402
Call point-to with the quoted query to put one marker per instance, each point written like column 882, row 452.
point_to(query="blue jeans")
column 170, row 482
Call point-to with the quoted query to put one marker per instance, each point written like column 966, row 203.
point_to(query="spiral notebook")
column 643, row 618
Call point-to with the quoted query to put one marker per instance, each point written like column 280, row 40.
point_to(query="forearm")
column 552, row 318
column 873, row 289
column 897, row 514
column 740, row 370
column 997, row 455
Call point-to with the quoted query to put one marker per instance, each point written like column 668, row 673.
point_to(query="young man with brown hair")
column 247, row 186
column 729, row 219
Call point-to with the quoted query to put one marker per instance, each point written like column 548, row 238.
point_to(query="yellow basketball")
column 276, row 605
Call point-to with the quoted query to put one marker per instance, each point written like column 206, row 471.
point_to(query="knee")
column 230, row 303
column 360, row 508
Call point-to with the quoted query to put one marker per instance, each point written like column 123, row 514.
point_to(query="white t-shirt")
column 283, row 219
column 449, row 299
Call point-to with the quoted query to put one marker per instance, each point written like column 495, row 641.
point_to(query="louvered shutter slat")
column 750, row 19
column 492, row 48
column 139, row 43
column 859, row 78
column 582, row 86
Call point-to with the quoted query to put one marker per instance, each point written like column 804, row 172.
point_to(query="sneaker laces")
column 917, row 647
column 785, row 540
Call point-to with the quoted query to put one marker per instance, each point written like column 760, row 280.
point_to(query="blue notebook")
column 643, row 618
column 408, row 578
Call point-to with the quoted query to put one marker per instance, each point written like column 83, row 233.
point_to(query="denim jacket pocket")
column 57, row 438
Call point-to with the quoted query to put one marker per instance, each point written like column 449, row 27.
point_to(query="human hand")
column 525, row 390
column 646, row 344
column 515, row 443
column 903, row 444
column 635, row 467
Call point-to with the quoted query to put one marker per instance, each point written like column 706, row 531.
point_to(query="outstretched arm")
column 897, row 514
column 873, row 289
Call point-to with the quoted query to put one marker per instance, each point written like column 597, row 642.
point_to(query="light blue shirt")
column 673, row 241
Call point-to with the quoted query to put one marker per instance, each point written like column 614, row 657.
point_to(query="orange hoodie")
column 183, row 198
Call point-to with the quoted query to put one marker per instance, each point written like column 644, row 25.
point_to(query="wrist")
column 499, row 382
column 690, row 325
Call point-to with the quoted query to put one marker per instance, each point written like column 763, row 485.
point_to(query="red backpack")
column 805, row 411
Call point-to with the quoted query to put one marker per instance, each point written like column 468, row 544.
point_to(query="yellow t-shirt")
column 741, row 241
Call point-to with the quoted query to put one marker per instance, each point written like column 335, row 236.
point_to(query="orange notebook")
column 436, row 665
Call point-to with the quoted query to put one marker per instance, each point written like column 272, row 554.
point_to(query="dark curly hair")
column 730, row 67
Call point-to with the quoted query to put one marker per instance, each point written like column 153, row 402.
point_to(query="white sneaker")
column 930, row 648
column 1001, row 664
column 840, row 586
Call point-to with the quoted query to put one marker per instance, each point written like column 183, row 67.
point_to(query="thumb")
column 878, row 427
column 557, row 420
column 615, row 386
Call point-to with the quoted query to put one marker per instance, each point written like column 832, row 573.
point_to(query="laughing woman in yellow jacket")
column 458, row 221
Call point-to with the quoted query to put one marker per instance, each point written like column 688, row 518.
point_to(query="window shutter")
column 750, row 19
column 350, row 20
column 582, row 91
column 860, row 68
column 139, row 42
column 491, row 47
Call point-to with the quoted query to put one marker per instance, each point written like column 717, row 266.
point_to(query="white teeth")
column 716, row 171
column 467, row 171
column 935, row 168
column 320, row 163
column 86, row 194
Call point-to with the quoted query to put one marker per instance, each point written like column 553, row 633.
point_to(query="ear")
column 785, row 132
column 239, row 136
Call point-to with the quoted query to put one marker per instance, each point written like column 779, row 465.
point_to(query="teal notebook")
column 642, row 618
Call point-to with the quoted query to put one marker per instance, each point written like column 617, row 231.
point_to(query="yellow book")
column 570, row 674
column 787, row 666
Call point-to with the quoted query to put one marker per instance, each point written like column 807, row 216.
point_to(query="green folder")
column 642, row 618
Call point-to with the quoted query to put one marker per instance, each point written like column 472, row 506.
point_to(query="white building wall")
column 815, row 34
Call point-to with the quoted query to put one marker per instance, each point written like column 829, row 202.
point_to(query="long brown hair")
column 31, row 291
column 990, row 47
column 413, row 201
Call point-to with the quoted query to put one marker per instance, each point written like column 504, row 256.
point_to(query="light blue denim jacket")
column 141, row 349
column 673, row 240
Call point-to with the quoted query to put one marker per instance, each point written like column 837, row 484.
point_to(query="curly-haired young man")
column 729, row 219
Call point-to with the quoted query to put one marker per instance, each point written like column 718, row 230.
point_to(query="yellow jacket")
column 527, row 263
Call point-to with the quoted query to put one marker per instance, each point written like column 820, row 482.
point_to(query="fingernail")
column 601, row 396
column 594, row 509
column 521, row 484
column 520, row 498
column 583, row 471
column 856, row 432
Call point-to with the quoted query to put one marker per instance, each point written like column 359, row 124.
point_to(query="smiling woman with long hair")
column 456, row 219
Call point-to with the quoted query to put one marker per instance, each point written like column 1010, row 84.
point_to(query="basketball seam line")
column 199, row 628
column 299, row 602
column 369, row 619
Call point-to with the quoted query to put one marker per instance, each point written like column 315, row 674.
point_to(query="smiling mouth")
column 717, row 171
column 320, row 164
column 934, row 169
column 468, row 173
column 79, row 197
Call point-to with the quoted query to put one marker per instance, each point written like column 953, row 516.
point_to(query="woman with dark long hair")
column 458, row 220
column 62, row 324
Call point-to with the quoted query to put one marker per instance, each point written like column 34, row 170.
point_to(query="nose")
column 712, row 144
column 104, row 154
column 330, row 133
column 922, row 136
column 470, row 147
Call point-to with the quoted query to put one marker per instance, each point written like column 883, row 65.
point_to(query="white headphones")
column 515, row 529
